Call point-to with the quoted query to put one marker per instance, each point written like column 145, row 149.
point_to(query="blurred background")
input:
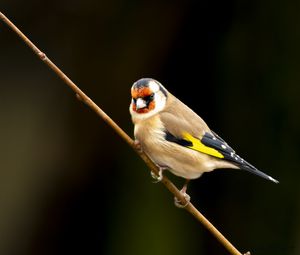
column 70, row 185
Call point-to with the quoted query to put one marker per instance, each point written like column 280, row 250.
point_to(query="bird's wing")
column 177, row 117
column 214, row 141
column 194, row 135
column 186, row 128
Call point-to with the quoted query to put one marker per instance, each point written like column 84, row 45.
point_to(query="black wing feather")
column 214, row 141
column 217, row 143
column 171, row 138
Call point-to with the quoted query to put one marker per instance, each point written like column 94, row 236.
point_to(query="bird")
column 175, row 138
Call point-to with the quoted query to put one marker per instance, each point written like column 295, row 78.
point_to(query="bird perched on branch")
column 176, row 138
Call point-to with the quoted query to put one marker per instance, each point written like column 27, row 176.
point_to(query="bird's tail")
column 253, row 170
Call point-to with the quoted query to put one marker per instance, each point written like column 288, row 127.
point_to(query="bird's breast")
column 150, row 132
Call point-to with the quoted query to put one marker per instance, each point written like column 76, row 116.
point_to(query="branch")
column 84, row 98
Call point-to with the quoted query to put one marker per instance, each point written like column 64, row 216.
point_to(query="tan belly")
column 181, row 161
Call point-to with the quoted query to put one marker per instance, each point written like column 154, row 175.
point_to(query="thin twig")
column 84, row 98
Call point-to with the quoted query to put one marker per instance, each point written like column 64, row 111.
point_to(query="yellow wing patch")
column 199, row 146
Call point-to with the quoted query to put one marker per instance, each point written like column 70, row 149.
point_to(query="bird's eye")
column 134, row 100
column 149, row 98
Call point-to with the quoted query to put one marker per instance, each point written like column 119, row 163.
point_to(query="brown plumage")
column 176, row 138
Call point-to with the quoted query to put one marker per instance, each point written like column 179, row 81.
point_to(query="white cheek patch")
column 154, row 87
column 160, row 102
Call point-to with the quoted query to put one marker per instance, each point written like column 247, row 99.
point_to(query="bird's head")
column 148, row 98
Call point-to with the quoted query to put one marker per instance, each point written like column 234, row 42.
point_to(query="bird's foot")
column 138, row 146
column 159, row 177
column 247, row 253
column 178, row 202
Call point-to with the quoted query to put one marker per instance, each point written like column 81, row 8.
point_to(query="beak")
column 140, row 103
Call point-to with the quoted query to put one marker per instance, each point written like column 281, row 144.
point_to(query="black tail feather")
column 251, row 169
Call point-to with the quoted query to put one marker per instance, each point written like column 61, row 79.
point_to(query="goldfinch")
column 176, row 138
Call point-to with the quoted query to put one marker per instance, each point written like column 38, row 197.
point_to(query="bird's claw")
column 178, row 202
column 159, row 177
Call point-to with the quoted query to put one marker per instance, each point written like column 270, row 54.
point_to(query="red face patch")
column 142, row 93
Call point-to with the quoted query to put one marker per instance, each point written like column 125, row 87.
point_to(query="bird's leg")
column 177, row 202
column 159, row 177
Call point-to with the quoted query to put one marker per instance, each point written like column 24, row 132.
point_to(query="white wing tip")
column 273, row 180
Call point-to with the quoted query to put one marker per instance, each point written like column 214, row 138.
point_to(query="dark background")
column 70, row 185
